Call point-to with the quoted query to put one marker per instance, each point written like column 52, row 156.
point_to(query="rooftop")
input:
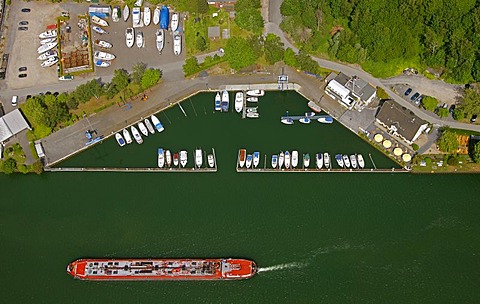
column 404, row 120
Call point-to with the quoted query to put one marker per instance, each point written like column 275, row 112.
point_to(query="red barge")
column 161, row 269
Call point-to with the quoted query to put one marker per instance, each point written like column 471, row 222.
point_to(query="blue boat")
column 218, row 102
column 225, row 101
column 164, row 18
column 256, row 158
column 156, row 122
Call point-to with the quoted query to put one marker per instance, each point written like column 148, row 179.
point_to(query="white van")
column 14, row 100
column 39, row 149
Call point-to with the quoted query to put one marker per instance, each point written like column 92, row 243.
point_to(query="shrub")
column 452, row 161
column 415, row 147
column 428, row 161
column 381, row 93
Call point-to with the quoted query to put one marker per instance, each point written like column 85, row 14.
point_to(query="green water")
column 317, row 238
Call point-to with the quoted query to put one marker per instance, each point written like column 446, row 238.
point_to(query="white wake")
column 292, row 265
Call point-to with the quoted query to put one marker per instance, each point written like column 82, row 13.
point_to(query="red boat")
column 161, row 269
column 241, row 157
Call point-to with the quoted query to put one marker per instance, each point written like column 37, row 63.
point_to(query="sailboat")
column 99, row 21
column 287, row 121
column 304, row 120
column 325, row 119
column 99, row 30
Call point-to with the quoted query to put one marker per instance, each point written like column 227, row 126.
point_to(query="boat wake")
column 292, row 265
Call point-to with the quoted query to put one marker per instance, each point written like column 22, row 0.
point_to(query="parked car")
column 22, row 69
column 23, row 28
column 414, row 96
column 22, row 75
column 419, row 99
column 474, row 118
column 26, row 10
column 408, row 91
column 14, row 100
column 23, row 23
column 452, row 108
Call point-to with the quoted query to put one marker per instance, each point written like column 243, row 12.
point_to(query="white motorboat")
column 129, row 37
column 225, row 101
column 281, row 158
column 99, row 55
column 136, row 16
column 256, row 158
column 306, row 160
column 48, row 34
column 253, row 115
column 99, row 21
column 256, row 93
column 127, row 136
column 239, row 102
column 177, row 44
column 198, row 157
column 138, row 3
column 99, row 30
column 339, row 160
column 160, row 40
column 168, row 158
column 353, row 161
column 304, row 120
column 48, row 40
column 287, row 159
column 218, row 102
column 116, row 14
column 310, row 114
column 149, row 125
column 161, row 158
column 156, row 123
column 294, row 158
column 174, row 23
column 142, row 128
column 252, row 109
column 103, row 44
column 361, row 161
column 326, row 160
column 156, row 15
column 120, row 140
column 46, row 47
column 241, row 157
column 175, row 159
column 102, row 64
column 346, row 161
column 274, row 161
column 319, row 160
column 136, row 135
column 126, row 13
column 252, row 99
column 48, row 54
column 140, row 41
column 211, row 160
column 147, row 16
column 183, row 158
column 325, row 119
column 248, row 162
column 287, row 121
column 49, row 62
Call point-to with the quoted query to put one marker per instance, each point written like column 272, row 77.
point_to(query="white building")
column 350, row 91
column 11, row 124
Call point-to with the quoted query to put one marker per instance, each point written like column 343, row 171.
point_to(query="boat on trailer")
column 147, row 16
column 160, row 39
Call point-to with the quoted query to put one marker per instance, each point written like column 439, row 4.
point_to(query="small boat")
column 325, row 119
column 149, row 125
column 161, row 158
column 138, row 3
column 252, row 99
column 140, row 41
column 252, row 109
column 361, row 161
column 174, row 23
column 314, row 106
column 304, row 120
column 310, row 114
column 287, row 121
column 346, row 161
column 249, row 160
column 319, row 160
column 225, row 101
column 160, row 41
column 164, row 15
column 116, row 14
column 126, row 13
column 241, row 157
column 136, row 16
column 99, row 55
column 156, row 123
column 102, row 64
column 274, row 161
column 48, row 34
column 175, row 159
column 129, row 37
column 239, row 102
column 256, row 158
column 326, row 160
column 120, row 140
column 99, row 21
column 48, row 40
column 49, row 62
column 99, row 30
column 127, row 136
column 211, row 160
column 306, row 160
column 294, row 158
column 136, row 135
column 177, row 44
column 339, row 160
column 156, row 15
column 142, row 128
column 287, row 159
column 48, row 54
column 281, row 158
column 256, row 93
column 353, row 161
column 147, row 16
column 198, row 157
column 168, row 158
column 103, row 44
column 253, row 115
column 218, row 102
column 183, row 158
column 46, row 47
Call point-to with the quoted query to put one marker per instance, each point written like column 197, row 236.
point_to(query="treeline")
column 443, row 34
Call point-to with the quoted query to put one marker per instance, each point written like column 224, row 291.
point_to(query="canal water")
column 317, row 238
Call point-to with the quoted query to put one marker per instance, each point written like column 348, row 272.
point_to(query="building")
column 226, row 4
column 350, row 91
column 213, row 32
column 11, row 124
column 400, row 121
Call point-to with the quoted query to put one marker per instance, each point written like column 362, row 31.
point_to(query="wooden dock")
column 314, row 170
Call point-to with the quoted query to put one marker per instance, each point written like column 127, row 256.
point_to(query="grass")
column 391, row 68
column 465, row 132
column 466, row 165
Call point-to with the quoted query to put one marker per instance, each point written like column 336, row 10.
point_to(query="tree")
column 120, row 79
column 200, row 43
column 57, row 113
column 470, row 103
column 37, row 167
column 306, row 63
column 256, row 42
column 9, row 165
column 239, row 53
column 289, row 57
column 191, row 66
column 35, row 111
column 273, row 49
column 448, row 141
column 150, row 78
column 243, row 5
column 250, row 20
column 442, row 112
column 429, row 103
column 137, row 73
column 476, row 153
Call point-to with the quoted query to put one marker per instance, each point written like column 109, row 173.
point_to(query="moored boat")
column 99, row 55
column 256, row 159
column 361, row 161
column 252, row 109
column 48, row 54
column 287, row 121
column 120, row 140
column 161, row 158
column 156, row 122
column 140, row 40
column 319, row 160
column 287, row 159
column 274, row 161
column 175, row 159
column 159, row 39
column 149, row 125
column 142, row 128
column 168, row 158
column 248, row 162
column 238, row 102
column 281, row 158
column 136, row 135
column 339, row 160
column 304, row 120
column 99, row 21
column 325, row 119
column 253, row 115
column 241, row 157
column 126, row 13
column 156, row 15
column 210, row 160
column 174, row 23
column 127, row 136
column 256, row 93
column 46, row 47
column 294, row 158
column 198, row 157
column 48, row 34
column 310, row 114
column 49, row 62
column 116, row 14
column 326, row 160
column 306, row 160
column 346, row 160
column 103, row 44
column 183, row 158
column 102, row 64
column 353, row 161
column 218, row 102
column 252, row 99
column 99, row 30
column 129, row 37
column 177, row 45
column 147, row 16
column 225, row 101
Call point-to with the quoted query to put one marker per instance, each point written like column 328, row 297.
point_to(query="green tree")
column 289, row 57
column 150, row 78
column 250, row 20
column 239, row 53
column 243, row 5
column 137, row 73
column 9, row 165
column 306, row 63
column 200, row 43
column 429, row 103
column 470, row 103
column 442, row 112
column 37, row 167
column 191, row 66
column 256, row 42
column 273, row 49
column 476, row 153
column 447, row 142
column 35, row 111
column 120, row 79
column 57, row 113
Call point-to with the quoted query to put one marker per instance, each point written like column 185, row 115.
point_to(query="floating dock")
column 315, row 117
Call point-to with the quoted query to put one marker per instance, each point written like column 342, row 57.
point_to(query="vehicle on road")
column 14, row 100
column 414, row 96
column 408, row 91
column 452, row 108
column 23, row 23
column 419, row 99
column 26, row 10
column 22, row 69
column 22, row 75
column 474, row 118
column 23, row 28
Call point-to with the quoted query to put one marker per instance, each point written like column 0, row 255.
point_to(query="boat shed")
column 11, row 124
column 101, row 11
